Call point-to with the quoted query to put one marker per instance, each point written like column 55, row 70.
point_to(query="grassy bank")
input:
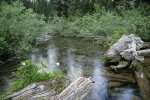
column 28, row 73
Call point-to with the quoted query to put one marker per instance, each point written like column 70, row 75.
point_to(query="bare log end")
column 76, row 90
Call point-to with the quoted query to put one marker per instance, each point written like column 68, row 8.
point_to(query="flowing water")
column 77, row 58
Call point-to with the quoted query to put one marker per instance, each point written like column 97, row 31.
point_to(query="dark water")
column 76, row 58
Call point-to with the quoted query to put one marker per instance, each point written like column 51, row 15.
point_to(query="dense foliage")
column 69, row 8
column 104, row 26
column 102, row 20
column 18, row 29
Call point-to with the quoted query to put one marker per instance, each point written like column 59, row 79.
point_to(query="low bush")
column 105, row 26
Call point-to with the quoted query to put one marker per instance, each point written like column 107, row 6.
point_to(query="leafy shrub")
column 56, row 25
column 18, row 28
column 105, row 26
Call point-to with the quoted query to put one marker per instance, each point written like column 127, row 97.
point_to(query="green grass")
column 28, row 73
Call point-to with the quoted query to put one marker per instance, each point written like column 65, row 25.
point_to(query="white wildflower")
column 57, row 64
column 23, row 64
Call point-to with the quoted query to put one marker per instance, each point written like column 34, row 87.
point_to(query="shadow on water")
column 76, row 58
column 5, row 74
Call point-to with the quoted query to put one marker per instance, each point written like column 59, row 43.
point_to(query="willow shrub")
column 18, row 29
column 105, row 26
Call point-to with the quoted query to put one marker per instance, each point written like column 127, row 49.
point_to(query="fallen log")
column 75, row 91
column 125, row 48
column 27, row 92
column 146, row 45
column 145, row 52
column 129, row 49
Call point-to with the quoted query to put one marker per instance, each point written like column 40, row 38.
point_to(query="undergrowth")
column 28, row 73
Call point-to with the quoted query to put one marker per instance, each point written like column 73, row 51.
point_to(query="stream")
column 76, row 58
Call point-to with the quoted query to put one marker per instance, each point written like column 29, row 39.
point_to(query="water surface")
column 77, row 58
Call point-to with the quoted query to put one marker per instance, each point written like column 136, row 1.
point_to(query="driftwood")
column 146, row 45
column 145, row 52
column 127, row 51
column 127, row 48
column 121, row 64
column 75, row 91
column 27, row 92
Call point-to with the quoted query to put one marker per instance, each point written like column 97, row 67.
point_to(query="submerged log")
column 75, row 91
column 122, row 64
column 142, row 80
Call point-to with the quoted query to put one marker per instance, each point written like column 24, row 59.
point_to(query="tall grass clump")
column 28, row 73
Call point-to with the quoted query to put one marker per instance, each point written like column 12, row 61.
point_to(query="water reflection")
column 100, row 81
column 49, row 57
column 74, row 68
column 126, row 95
column 99, row 91
column 52, row 57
